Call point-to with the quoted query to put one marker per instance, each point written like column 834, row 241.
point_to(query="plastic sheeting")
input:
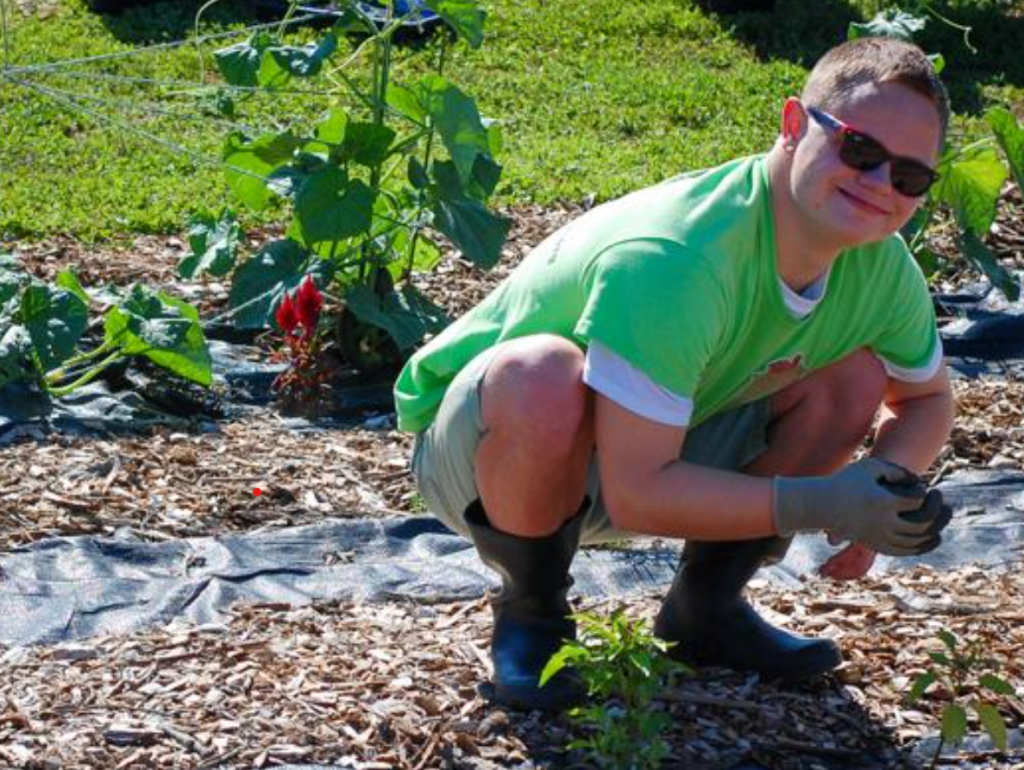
column 69, row 588
column 139, row 400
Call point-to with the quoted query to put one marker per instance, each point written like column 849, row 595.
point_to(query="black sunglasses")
column 859, row 151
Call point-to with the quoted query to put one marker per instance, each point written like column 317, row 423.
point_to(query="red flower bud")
column 286, row 316
column 308, row 303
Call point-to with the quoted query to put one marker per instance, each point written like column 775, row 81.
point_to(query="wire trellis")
column 124, row 114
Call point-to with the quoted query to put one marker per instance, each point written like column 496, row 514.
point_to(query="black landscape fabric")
column 63, row 589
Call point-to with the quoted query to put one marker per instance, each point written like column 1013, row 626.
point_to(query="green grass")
column 595, row 98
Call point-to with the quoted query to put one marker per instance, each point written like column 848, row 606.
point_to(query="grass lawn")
column 596, row 99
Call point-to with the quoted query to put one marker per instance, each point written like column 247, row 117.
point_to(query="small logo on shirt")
column 772, row 378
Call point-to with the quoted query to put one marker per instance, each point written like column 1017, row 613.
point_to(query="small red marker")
column 257, row 492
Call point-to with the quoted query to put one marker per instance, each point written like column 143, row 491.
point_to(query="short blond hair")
column 874, row 60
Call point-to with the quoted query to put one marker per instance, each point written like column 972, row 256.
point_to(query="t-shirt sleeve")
column 613, row 377
column 909, row 346
column 658, row 306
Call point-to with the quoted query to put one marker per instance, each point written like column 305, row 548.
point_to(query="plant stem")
column 85, row 378
column 292, row 6
column 95, row 353
column 938, row 752
column 432, row 131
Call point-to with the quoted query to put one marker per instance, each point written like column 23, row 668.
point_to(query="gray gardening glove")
column 871, row 501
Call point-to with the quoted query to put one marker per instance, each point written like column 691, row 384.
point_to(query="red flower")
column 286, row 316
column 308, row 304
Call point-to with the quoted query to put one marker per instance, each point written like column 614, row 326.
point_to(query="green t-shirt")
column 680, row 281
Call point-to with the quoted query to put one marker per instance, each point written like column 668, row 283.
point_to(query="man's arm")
column 648, row 489
column 917, row 419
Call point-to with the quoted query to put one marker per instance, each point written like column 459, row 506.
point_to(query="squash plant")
column 972, row 176
column 43, row 332
column 367, row 187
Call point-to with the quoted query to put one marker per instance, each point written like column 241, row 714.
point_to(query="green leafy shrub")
column 366, row 186
column 42, row 328
column 624, row 667
column 964, row 678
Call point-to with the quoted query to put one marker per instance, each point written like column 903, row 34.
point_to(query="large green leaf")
column 406, row 315
column 55, row 319
column 466, row 17
column 260, row 283
column 477, row 232
column 458, row 122
column 251, row 163
column 214, row 241
column 16, row 362
column 888, row 23
column 163, row 329
column 367, row 143
column 11, row 283
column 1010, row 135
column 978, row 253
column 970, row 184
column 407, row 102
column 66, row 279
column 329, row 207
column 297, row 61
column 240, row 64
column 451, row 112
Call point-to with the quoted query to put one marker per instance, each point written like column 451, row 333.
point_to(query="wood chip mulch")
column 396, row 686
column 174, row 485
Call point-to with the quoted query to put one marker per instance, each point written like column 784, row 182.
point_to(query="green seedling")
column 624, row 667
column 964, row 678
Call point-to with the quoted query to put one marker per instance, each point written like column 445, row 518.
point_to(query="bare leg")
column 819, row 422
column 532, row 463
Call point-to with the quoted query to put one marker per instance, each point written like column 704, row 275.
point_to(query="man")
column 702, row 359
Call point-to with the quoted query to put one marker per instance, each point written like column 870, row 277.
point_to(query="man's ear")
column 794, row 122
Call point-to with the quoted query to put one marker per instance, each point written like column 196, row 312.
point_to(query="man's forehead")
column 894, row 114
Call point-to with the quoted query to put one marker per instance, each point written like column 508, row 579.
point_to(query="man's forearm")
column 913, row 432
column 684, row 500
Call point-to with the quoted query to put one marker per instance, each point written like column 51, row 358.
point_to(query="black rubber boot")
column 705, row 614
column 530, row 611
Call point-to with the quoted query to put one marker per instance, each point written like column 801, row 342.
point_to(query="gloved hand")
column 872, row 501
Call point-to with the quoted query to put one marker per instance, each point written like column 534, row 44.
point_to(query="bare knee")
column 534, row 387
column 847, row 396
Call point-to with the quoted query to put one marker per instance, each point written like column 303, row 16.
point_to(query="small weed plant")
column 623, row 666
column 963, row 678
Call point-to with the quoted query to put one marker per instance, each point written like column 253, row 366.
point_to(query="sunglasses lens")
column 861, row 152
column 911, row 179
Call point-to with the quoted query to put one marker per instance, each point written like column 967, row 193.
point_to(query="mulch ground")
column 395, row 685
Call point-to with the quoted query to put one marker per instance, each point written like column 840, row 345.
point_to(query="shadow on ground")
column 766, row 726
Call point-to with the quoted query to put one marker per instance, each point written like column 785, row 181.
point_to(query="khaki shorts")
column 444, row 456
